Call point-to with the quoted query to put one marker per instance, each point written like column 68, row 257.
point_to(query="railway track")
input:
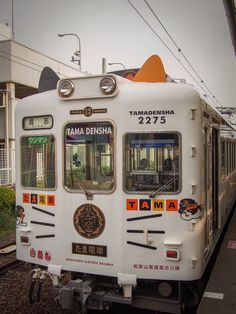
column 8, row 248
column 8, row 265
column 8, row 259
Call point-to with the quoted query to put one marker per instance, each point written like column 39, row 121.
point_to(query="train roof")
column 151, row 72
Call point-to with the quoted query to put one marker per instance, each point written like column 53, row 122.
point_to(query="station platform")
column 220, row 293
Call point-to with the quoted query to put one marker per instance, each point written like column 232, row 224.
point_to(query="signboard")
column 37, row 140
column 38, row 122
column 89, row 249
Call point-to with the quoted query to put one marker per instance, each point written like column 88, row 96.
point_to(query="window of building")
column 89, row 156
column 38, row 161
column 1, row 99
column 152, row 162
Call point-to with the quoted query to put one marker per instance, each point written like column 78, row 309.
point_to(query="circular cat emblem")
column 89, row 221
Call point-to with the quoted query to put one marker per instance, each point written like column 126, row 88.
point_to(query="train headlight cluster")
column 108, row 85
column 86, row 87
column 66, row 88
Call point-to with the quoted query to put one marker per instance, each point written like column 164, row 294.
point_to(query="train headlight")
column 66, row 88
column 108, row 85
column 165, row 289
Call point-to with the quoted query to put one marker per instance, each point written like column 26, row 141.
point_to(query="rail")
column 7, row 263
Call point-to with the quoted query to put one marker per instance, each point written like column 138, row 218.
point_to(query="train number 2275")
column 152, row 120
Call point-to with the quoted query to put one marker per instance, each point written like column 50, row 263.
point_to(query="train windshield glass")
column 152, row 162
column 89, row 156
column 38, row 161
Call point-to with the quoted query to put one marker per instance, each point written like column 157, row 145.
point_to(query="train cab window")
column 152, row 162
column 89, row 156
column 38, row 161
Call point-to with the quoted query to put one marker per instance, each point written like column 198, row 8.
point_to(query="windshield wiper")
column 162, row 188
column 88, row 194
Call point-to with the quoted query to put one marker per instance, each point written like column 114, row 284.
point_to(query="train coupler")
column 38, row 277
column 89, row 293
column 75, row 294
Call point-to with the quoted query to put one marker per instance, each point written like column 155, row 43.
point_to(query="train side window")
column 231, row 156
column 234, row 156
column 227, row 158
column 38, row 161
column 222, row 171
column 89, row 156
column 152, row 162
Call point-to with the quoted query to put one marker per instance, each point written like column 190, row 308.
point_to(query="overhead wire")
column 27, row 66
column 9, row 59
column 169, row 49
column 163, row 42
column 180, row 51
column 156, row 34
column 22, row 59
column 5, row 36
column 27, row 61
column 24, row 65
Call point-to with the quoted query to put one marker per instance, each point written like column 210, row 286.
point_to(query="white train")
column 126, row 184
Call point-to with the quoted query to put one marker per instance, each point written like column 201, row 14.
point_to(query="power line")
column 9, row 59
column 25, row 60
column 27, row 66
column 180, row 51
column 152, row 29
column 163, row 42
column 20, row 58
column 4, row 36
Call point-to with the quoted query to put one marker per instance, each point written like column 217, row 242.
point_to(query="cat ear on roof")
column 151, row 71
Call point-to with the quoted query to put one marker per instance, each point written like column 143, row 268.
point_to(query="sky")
column 112, row 29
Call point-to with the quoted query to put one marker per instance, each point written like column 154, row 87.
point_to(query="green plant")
column 106, row 171
column 7, row 201
column 7, row 210
column 7, row 224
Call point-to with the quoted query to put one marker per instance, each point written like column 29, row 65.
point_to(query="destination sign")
column 38, row 122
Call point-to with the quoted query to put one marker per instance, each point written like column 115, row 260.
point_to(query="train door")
column 206, row 188
column 215, row 179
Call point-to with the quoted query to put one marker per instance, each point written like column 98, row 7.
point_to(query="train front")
column 101, row 191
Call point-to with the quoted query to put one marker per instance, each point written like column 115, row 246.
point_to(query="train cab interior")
column 152, row 162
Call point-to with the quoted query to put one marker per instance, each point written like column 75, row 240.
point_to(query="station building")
column 20, row 70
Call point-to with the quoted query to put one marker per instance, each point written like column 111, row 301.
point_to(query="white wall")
column 27, row 65
column 23, row 65
column 5, row 32
column 5, row 61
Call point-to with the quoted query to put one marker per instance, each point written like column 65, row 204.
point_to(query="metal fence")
column 7, row 167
